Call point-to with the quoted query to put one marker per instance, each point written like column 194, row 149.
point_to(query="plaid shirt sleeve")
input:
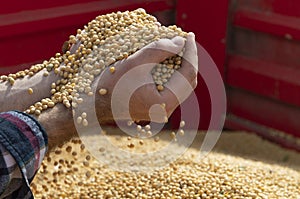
column 23, row 144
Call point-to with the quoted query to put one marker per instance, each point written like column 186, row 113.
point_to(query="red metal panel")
column 32, row 31
column 264, row 78
column 283, row 7
column 268, row 22
column 263, row 111
column 288, row 8
column 20, row 52
column 208, row 20
column 264, row 47
column 70, row 15
column 15, row 6
column 263, row 67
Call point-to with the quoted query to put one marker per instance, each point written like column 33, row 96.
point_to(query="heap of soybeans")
column 70, row 171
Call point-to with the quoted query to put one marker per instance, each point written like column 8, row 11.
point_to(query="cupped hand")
column 131, row 91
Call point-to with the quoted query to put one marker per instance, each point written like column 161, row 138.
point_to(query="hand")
column 140, row 64
column 134, row 74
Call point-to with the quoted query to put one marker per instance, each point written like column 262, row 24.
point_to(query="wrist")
column 59, row 125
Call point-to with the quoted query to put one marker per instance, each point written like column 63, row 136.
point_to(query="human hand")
column 132, row 93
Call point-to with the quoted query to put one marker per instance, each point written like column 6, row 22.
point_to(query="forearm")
column 59, row 125
column 17, row 97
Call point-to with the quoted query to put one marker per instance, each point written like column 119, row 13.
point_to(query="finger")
column 190, row 53
column 184, row 80
column 179, row 87
column 157, row 51
column 189, row 64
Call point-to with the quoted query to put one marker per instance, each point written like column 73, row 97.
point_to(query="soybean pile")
column 241, row 166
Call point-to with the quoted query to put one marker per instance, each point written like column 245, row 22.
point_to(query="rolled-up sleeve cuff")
column 26, row 140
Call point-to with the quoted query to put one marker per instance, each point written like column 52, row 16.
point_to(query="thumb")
column 157, row 51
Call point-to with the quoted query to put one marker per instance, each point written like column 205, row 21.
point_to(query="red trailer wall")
column 208, row 20
column 32, row 31
column 263, row 69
